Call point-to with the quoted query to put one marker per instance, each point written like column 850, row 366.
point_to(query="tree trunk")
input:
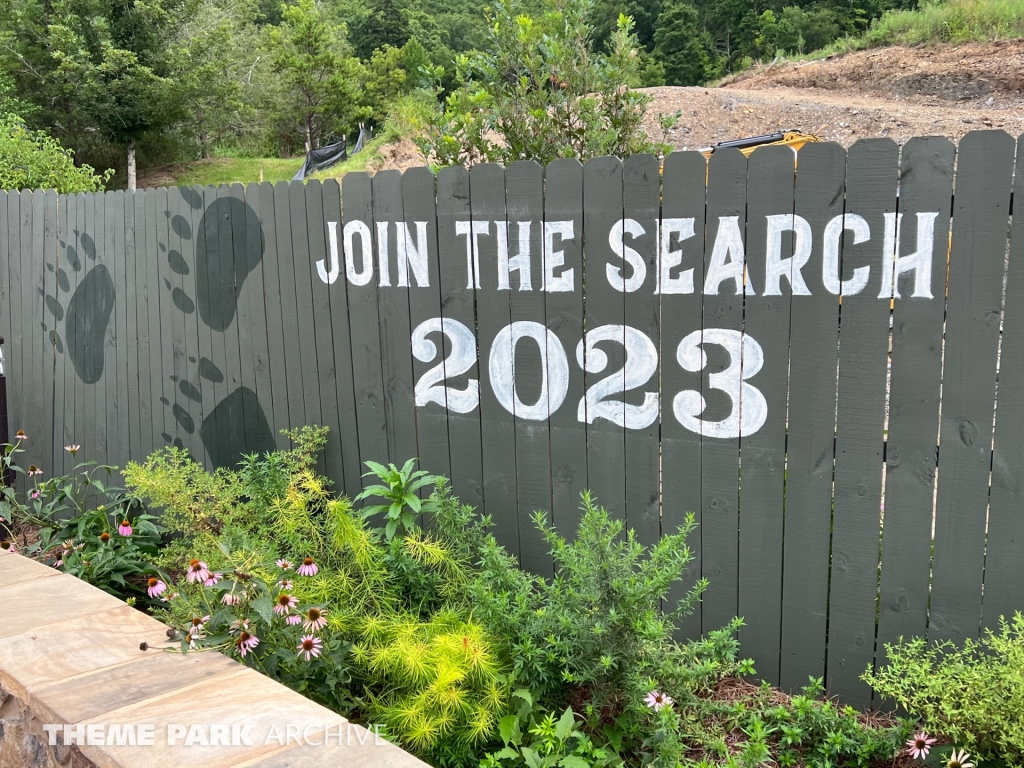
column 131, row 164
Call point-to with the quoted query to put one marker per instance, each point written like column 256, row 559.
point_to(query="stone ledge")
column 70, row 654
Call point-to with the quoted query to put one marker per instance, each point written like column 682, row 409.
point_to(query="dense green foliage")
column 33, row 160
column 973, row 694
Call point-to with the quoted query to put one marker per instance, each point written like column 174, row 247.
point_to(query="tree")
column 384, row 25
column 681, row 45
column 33, row 160
column 320, row 76
column 543, row 92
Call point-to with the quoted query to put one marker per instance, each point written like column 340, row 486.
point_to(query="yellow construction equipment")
column 794, row 139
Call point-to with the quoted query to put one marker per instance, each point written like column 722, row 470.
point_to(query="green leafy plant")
column 399, row 492
column 33, row 160
column 972, row 694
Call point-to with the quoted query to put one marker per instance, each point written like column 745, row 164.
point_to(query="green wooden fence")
column 744, row 359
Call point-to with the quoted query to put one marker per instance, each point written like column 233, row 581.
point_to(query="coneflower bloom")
column 315, row 619
column 125, row 528
column 230, row 598
column 285, row 584
column 156, row 587
column 34, row 495
column 294, row 618
column 213, row 579
column 959, row 760
column 656, row 700
column 8, row 546
column 34, row 470
column 72, row 449
column 191, row 641
column 283, row 564
column 104, row 537
column 198, row 624
column 919, row 745
column 285, row 603
column 20, row 435
column 308, row 568
column 246, row 642
column 309, row 646
column 197, row 571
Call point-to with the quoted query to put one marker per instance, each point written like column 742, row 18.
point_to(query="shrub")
column 34, row 160
column 972, row 695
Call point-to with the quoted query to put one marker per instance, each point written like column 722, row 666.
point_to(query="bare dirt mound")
column 893, row 92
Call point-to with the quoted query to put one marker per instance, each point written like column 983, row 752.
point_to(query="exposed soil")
column 399, row 156
column 895, row 92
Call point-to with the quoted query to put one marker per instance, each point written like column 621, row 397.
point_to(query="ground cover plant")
column 407, row 614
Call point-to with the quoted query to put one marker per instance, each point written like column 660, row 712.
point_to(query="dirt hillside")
column 895, row 92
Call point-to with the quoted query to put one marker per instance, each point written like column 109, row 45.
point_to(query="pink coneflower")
column 8, row 546
column 213, row 579
column 72, row 449
column 285, row 584
column 156, row 587
column 34, row 495
column 125, row 528
column 283, row 564
column 959, row 760
column 197, row 571
column 58, row 563
column 20, row 435
column 230, row 598
column 169, row 597
column 315, row 619
column 308, row 568
column 309, row 646
column 246, row 642
column 294, row 618
column 656, row 700
column 919, row 744
column 34, row 470
column 191, row 641
column 285, row 603
column 198, row 624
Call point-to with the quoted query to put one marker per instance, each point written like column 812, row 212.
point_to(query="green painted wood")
column 493, row 313
column 419, row 204
column 726, row 200
column 54, row 320
column 976, row 265
column 248, row 255
column 96, row 262
column 86, row 422
column 233, row 266
column 131, row 336
column 770, row 180
column 357, row 204
column 140, row 296
column 1004, row 568
column 347, row 432
column 32, row 348
column 524, row 201
column 211, row 375
column 21, row 362
column 641, row 183
column 814, row 340
column 170, row 338
column 253, row 299
column 189, row 204
column 323, row 332
column 7, row 255
column 45, row 321
column 457, row 305
column 275, row 320
column 605, row 306
column 106, row 388
column 393, row 311
column 289, row 306
column 684, row 190
column 926, row 186
column 12, row 350
column 159, row 357
column 563, row 202
column 181, row 424
column 121, row 444
column 871, row 179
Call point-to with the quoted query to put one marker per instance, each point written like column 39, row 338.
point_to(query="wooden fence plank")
column 182, row 424
column 976, row 265
column 232, row 437
column 275, row 320
column 131, row 336
column 211, row 376
column 680, row 287
column 497, row 423
column 321, row 304
column 641, row 183
column 393, row 309
column 165, row 332
column 604, row 350
column 99, row 321
column 32, row 351
column 1004, row 567
column 7, row 255
column 775, row 260
column 357, row 203
column 723, row 311
column 185, row 206
column 79, row 337
column 253, row 299
column 56, row 303
column 347, row 432
column 14, row 369
column 419, row 204
column 457, row 307
column 106, row 388
column 814, row 340
column 871, row 179
column 120, row 452
column 46, row 231
column 289, row 309
column 248, row 255
column 536, row 379
column 926, row 186
column 147, row 426
column 561, row 277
